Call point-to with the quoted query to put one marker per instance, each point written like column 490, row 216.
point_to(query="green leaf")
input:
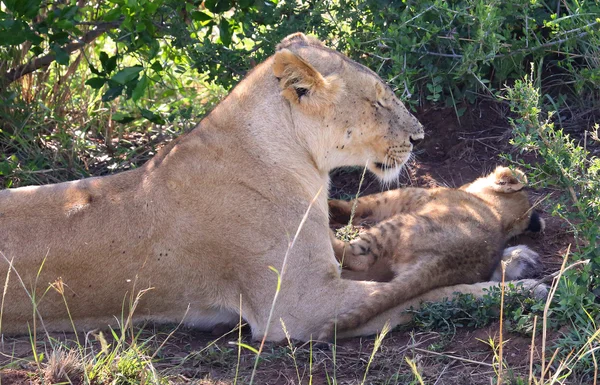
column 201, row 16
column 96, row 83
column 111, row 64
column 62, row 57
column 127, row 74
column 113, row 14
column 95, row 71
column 13, row 32
column 245, row 346
column 244, row 4
column 112, row 93
column 26, row 8
column 140, row 88
column 217, row 6
column 225, row 32
column 61, row 37
column 120, row 117
column 151, row 116
column 156, row 66
column 108, row 63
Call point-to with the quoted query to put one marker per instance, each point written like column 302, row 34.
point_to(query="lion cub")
column 451, row 236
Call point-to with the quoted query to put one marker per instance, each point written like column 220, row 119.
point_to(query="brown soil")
column 453, row 152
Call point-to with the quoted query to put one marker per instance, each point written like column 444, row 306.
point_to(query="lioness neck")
column 267, row 132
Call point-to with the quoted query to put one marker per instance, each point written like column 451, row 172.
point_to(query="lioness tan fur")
column 201, row 223
column 449, row 236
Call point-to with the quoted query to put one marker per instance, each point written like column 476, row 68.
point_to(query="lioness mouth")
column 379, row 165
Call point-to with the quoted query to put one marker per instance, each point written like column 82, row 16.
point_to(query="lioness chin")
column 201, row 223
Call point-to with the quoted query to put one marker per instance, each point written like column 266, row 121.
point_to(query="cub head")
column 343, row 111
column 504, row 190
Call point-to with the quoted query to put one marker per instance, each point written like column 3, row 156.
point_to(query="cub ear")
column 302, row 84
column 505, row 180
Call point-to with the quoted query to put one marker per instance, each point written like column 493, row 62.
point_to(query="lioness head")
column 504, row 190
column 363, row 121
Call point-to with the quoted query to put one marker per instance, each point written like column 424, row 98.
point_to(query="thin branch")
column 44, row 61
column 515, row 52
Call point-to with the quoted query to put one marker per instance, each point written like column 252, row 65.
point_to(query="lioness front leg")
column 312, row 292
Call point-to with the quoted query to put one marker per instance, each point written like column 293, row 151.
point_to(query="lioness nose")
column 415, row 140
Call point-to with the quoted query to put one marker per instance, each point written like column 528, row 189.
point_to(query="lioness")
column 202, row 221
column 449, row 236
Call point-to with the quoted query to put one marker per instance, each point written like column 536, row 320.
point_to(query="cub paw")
column 537, row 290
column 521, row 262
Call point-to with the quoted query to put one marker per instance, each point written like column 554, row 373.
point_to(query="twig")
column 550, row 277
column 532, row 349
column 454, row 357
column 41, row 171
column 545, row 314
column 44, row 61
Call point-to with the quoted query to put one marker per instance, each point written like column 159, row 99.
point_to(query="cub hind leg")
column 521, row 262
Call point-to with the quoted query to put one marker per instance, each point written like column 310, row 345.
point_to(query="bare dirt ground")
column 454, row 152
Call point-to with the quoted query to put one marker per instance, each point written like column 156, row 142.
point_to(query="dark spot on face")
column 343, row 147
column 301, row 92
column 123, row 252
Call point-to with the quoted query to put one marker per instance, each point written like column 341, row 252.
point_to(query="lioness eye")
column 380, row 105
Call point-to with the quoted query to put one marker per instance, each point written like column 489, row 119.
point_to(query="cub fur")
column 449, row 236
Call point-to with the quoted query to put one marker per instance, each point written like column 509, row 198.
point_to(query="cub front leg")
column 378, row 242
column 378, row 207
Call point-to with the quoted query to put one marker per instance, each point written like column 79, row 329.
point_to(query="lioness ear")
column 302, row 84
column 505, row 180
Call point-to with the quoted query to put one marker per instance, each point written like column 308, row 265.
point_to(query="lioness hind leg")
column 521, row 262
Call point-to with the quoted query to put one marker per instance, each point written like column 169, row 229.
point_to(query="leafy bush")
column 80, row 82
column 464, row 310
column 566, row 165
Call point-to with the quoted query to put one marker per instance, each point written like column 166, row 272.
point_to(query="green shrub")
column 566, row 165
